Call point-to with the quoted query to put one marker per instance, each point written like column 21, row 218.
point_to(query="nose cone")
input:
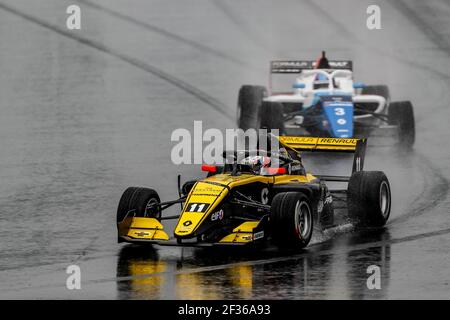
column 202, row 200
column 340, row 118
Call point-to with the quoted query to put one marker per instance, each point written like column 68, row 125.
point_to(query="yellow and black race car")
column 249, row 201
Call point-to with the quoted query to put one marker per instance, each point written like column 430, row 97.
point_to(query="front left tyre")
column 291, row 220
column 249, row 106
column 401, row 114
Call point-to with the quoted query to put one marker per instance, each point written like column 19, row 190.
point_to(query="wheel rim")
column 385, row 198
column 302, row 219
column 151, row 209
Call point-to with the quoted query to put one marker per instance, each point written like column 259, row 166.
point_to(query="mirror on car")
column 358, row 85
column 298, row 85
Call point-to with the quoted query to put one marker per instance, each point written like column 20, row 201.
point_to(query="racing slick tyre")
column 402, row 114
column 377, row 90
column 369, row 198
column 272, row 116
column 291, row 220
column 143, row 202
column 249, row 105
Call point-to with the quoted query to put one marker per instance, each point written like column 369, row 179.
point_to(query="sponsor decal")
column 338, row 141
column 265, row 196
column 287, row 139
column 142, row 234
column 339, row 64
column 249, row 237
column 218, row 215
column 329, row 199
column 258, row 235
column 208, row 190
column 335, row 99
column 336, row 104
column 320, row 206
column 291, row 64
column 187, row 223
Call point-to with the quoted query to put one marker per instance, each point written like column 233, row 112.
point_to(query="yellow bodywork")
column 142, row 228
column 206, row 195
column 211, row 191
column 202, row 193
column 243, row 233
column 284, row 179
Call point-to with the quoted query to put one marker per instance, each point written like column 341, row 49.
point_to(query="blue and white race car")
column 323, row 100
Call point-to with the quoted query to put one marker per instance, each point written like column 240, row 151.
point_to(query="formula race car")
column 249, row 200
column 323, row 100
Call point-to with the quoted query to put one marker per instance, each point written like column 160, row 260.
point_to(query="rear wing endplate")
column 312, row 144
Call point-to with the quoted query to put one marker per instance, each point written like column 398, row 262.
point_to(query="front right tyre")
column 140, row 202
column 137, row 202
column 369, row 198
column 291, row 220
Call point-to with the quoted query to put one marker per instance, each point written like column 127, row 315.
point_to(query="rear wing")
column 312, row 144
column 297, row 66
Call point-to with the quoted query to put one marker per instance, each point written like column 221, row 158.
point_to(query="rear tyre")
column 272, row 116
column 369, row 198
column 249, row 104
column 291, row 220
column 377, row 90
column 139, row 202
column 402, row 114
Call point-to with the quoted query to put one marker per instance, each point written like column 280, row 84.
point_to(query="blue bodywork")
column 336, row 114
column 340, row 118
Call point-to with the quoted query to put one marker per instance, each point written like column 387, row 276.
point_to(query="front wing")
column 145, row 230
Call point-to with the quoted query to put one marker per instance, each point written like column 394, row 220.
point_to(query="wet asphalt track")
column 84, row 114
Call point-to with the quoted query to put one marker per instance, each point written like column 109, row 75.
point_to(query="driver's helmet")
column 256, row 163
column 322, row 62
column 320, row 80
